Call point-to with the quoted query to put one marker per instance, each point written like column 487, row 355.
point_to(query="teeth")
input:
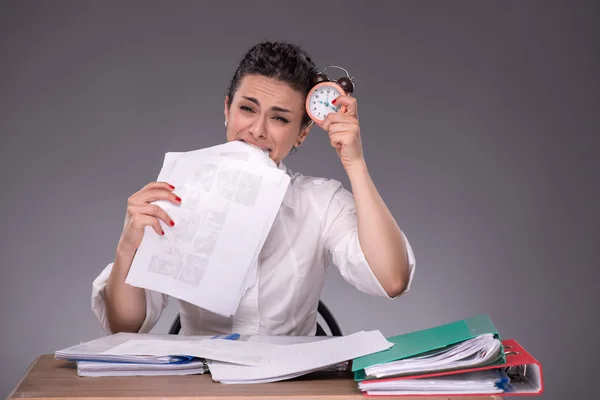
column 256, row 147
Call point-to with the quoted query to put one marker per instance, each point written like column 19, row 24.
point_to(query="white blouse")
column 316, row 226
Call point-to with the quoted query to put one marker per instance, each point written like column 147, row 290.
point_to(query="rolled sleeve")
column 341, row 241
column 155, row 303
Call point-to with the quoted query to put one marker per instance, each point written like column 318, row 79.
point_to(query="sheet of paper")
column 283, row 340
column 96, row 349
column 229, row 351
column 287, row 340
column 247, row 153
column 228, row 207
column 294, row 360
column 237, row 150
column 470, row 353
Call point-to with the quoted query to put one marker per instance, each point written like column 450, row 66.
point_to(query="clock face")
column 320, row 101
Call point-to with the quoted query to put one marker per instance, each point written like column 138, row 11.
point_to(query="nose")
column 257, row 129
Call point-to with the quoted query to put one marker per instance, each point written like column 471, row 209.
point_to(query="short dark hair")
column 284, row 61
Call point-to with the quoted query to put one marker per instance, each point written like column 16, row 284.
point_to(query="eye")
column 285, row 121
column 246, row 108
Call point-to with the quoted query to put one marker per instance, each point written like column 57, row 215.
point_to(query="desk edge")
column 25, row 374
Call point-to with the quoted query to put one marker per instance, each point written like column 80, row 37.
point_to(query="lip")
column 254, row 144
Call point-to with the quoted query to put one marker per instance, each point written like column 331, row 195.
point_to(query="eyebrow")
column 274, row 108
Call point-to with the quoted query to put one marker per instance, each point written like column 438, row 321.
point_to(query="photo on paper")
column 186, row 226
column 165, row 267
column 247, row 189
column 168, row 250
column 227, row 179
column 205, row 243
column 193, row 269
column 204, row 178
column 194, row 199
column 215, row 217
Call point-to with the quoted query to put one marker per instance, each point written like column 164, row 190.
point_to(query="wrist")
column 357, row 170
column 124, row 253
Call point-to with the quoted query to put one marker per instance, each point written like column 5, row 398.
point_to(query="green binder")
column 427, row 340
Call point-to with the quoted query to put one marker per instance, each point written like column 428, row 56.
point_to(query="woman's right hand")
column 140, row 213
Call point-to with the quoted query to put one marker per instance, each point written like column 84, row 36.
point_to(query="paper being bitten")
column 230, row 195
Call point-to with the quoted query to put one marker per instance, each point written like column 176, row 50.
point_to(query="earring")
column 225, row 122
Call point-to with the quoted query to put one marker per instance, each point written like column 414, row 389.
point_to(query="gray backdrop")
column 480, row 128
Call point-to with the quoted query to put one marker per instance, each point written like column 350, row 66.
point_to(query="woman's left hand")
column 344, row 132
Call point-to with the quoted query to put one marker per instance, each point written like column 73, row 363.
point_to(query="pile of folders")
column 465, row 357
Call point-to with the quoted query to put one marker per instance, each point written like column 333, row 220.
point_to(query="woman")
column 319, row 221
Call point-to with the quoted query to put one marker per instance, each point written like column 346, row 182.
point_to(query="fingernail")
column 172, row 223
column 162, row 232
column 172, row 187
column 177, row 198
column 333, row 101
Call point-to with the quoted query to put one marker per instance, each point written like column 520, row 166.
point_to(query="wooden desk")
column 48, row 378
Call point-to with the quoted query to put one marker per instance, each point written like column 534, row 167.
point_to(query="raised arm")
column 379, row 235
column 126, row 304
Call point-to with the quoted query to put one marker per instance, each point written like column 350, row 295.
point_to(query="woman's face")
column 266, row 113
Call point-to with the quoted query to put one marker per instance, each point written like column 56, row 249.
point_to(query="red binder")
column 525, row 372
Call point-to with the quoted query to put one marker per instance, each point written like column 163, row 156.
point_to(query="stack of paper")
column 476, row 382
column 95, row 359
column 463, row 345
column 99, row 349
column 520, row 374
column 469, row 342
column 150, row 354
column 229, row 361
column 230, row 195
column 97, row 369
column 289, row 361
column 481, row 350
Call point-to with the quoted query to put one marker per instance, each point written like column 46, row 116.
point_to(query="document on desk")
column 478, row 351
column 230, row 351
column 97, row 369
column 292, row 360
column 145, row 348
column 99, row 349
column 230, row 195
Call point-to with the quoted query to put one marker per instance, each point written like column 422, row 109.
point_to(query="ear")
column 304, row 132
column 226, row 110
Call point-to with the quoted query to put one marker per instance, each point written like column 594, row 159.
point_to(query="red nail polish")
column 333, row 101
column 162, row 232
column 177, row 198
column 172, row 187
column 172, row 223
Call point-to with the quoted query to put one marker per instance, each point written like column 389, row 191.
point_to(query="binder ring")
column 511, row 353
column 516, row 373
